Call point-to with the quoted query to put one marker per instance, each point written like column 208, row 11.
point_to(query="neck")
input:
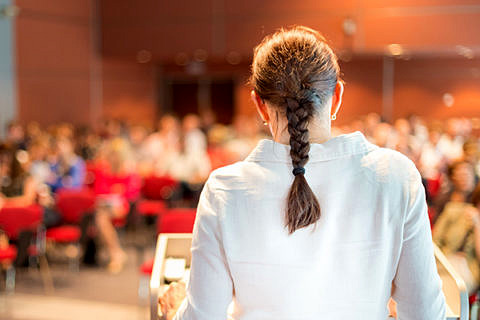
column 318, row 133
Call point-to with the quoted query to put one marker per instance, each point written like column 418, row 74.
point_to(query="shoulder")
column 394, row 175
column 390, row 165
column 232, row 177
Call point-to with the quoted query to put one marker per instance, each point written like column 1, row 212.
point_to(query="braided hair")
column 296, row 71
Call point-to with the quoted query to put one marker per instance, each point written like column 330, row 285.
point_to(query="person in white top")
column 308, row 226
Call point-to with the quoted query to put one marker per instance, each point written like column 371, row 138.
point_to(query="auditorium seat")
column 72, row 205
column 158, row 188
column 64, row 234
column 178, row 220
column 150, row 207
column 14, row 220
column 8, row 254
column 31, row 217
column 155, row 191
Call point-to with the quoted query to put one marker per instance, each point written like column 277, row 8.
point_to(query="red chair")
column 14, row 220
column 151, row 207
column 155, row 191
column 72, row 205
column 147, row 267
column 179, row 220
column 433, row 186
column 159, row 188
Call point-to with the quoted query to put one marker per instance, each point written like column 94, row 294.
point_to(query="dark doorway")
column 184, row 96
column 222, row 100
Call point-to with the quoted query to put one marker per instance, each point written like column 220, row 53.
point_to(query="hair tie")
column 299, row 170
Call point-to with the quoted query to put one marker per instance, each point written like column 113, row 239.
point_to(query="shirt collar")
column 338, row 147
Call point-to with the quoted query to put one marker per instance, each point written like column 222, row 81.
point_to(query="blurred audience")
column 112, row 157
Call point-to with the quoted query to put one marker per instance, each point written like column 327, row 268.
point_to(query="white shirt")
column 373, row 231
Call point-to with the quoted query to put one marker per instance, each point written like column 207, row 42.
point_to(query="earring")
column 265, row 123
column 334, row 116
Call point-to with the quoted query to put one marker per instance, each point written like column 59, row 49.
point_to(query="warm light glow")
column 448, row 100
column 200, row 55
column 234, row 57
column 181, row 59
column 395, row 49
column 465, row 52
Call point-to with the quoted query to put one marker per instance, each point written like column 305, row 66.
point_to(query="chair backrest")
column 158, row 188
column 176, row 221
column 74, row 204
column 13, row 220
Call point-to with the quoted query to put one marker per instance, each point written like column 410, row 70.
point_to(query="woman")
column 116, row 186
column 458, row 186
column 457, row 233
column 310, row 226
column 19, row 188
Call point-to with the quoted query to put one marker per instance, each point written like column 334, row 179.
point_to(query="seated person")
column 116, row 185
column 457, row 188
column 68, row 169
column 457, row 234
column 19, row 189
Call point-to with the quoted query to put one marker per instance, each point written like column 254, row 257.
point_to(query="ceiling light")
column 395, row 49
column 448, row 100
column 465, row 51
column 234, row 57
column 200, row 55
column 181, row 59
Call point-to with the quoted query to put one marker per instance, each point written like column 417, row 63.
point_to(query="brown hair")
column 296, row 71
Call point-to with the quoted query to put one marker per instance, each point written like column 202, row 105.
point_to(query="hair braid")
column 303, row 209
column 297, row 72
column 298, row 117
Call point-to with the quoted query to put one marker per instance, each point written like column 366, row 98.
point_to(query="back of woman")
column 310, row 226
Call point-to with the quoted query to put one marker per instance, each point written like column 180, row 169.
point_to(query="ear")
column 260, row 105
column 337, row 97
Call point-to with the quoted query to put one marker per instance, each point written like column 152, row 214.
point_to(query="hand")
column 392, row 308
column 171, row 299
column 45, row 199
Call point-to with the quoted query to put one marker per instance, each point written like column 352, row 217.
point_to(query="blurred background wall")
column 80, row 61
